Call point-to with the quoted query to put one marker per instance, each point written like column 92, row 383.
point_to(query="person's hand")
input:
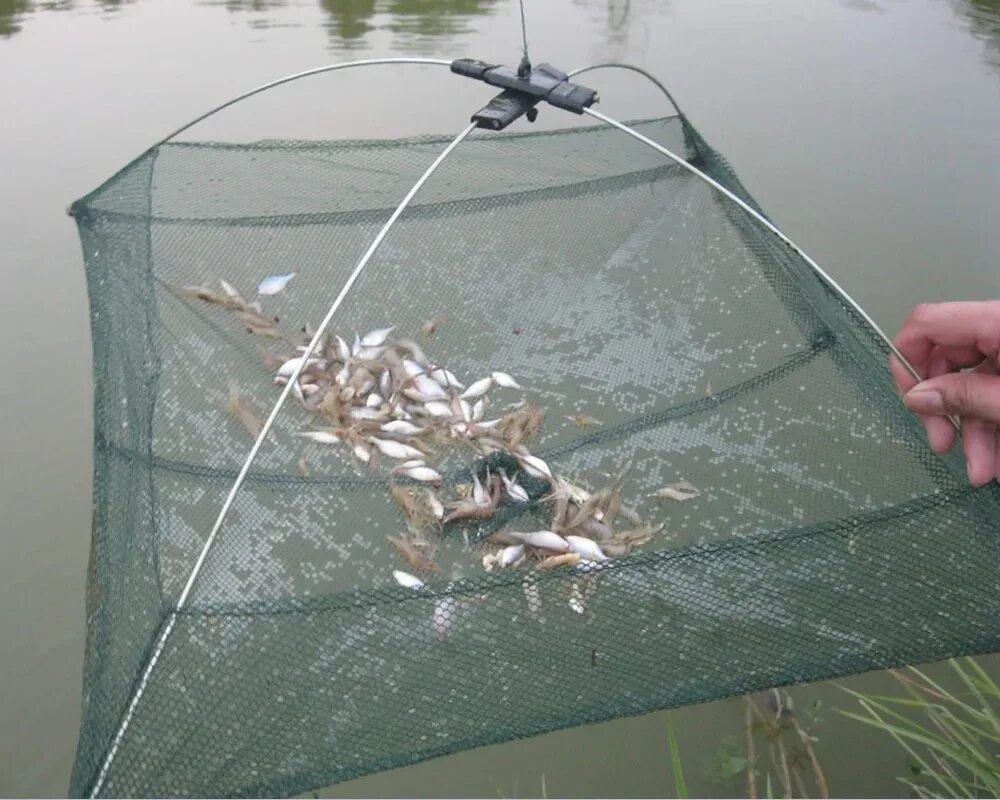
column 941, row 340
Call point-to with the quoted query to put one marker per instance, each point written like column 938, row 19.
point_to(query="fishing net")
column 722, row 425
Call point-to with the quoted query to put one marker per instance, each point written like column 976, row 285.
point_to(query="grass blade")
column 680, row 786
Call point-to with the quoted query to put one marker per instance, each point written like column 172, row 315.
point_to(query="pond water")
column 868, row 129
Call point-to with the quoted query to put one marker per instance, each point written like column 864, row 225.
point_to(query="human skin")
column 956, row 346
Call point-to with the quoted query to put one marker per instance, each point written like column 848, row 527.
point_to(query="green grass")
column 680, row 785
column 952, row 738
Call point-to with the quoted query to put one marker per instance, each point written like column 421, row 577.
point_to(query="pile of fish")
column 381, row 397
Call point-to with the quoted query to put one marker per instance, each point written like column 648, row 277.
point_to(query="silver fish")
column 362, row 452
column 533, row 465
column 322, row 437
column 479, row 495
column 367, row 413
column 516, row 492
column 422, row 473
column 287, row 369
column 479, row 410
column 545, row 540
column 680, row 491
column 586, row 548
column 401, row 428
column 274, row 283
column 466, row 410
column 385, row 383
column 446, row 378
column 343, row 351
column 407, row 580
column 436, row 408
column 511, row 555
column 437, row 509
column 477, row 389
column 374, row 400
column 377, row 337
column 395, row 449
column 412, row 368
column 505, row 380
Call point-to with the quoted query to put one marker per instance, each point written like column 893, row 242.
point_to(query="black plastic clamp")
column 522, row 94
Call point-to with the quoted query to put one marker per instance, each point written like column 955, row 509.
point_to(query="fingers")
column 965, row 326
column 940, row 432
column 966, row 394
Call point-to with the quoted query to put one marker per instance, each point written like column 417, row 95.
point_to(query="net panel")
column 667, row 337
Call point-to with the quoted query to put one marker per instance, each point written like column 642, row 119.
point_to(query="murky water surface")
column 867, row 128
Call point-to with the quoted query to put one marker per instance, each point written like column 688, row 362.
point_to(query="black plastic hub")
column 522, row 93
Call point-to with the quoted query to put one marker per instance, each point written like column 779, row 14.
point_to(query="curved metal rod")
column 368, row 62
column 227, row 505
column 830, row 282
column 630, row 68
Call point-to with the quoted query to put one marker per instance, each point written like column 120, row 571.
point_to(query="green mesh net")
column 666, row 336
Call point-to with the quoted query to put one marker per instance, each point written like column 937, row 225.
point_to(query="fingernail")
column 924, row 401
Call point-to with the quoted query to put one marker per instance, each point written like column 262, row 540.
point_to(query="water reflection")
column 984, row 21
column 416, row 25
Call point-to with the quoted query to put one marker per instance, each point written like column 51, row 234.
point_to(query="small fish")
column 434, row 504
column 230, row 290
column 444, row 615
column 343, row 351
column 446, row 378
column 362, row 452
column 436, row 408
column 514, row 490
column 466, row 410
column 504, row 380
column 274, row 283
column 412, row 555
column 243, row 412
column 367, row 413
column 680, row 491
column 477, row 389
column 479, row 495
column 407, row 580
column 303, row 467
column 377, row 337
column 414, row 350
column 565, row 559
column 429, row 387
column 374, row 400
column 583, row 420
column 509, row 556
column 479, row 410
column 385, row 383
column 417, row 462
column 545, row 540
column 586, row 548
column 429, row 328
column 533, row 465
column 395, row 449
column 401, row 427
column 322, row 437
column 422, row 473
column 412, row 368
column 287, row 369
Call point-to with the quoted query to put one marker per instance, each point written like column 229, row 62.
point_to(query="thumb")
column 966, row 394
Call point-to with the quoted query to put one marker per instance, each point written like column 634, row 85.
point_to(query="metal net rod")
column 227, row 505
